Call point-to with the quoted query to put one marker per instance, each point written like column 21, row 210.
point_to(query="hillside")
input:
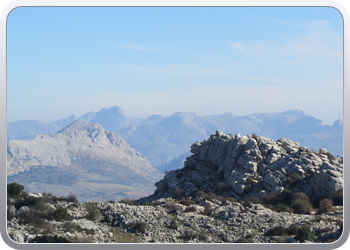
column 84, row 158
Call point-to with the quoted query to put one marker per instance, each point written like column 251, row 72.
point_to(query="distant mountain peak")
column 338, row 122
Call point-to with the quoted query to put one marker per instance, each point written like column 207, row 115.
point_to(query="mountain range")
column 83, row 157
column 162, row 139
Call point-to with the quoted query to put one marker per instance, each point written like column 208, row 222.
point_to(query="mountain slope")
column 84, row 157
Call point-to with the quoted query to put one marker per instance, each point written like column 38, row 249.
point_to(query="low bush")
column 140, row 226
column 202, row 236
column 301, row 203
column 207, row 210
column 127, row 201
column 178, row 192
column 249, row 201
column 186, row 201
column 330, row 156
column 287, row 196
column 50, row 239
column 292, row 229
column 281, row 239
column 70, row 227
column 337, row 197
column 325, row 230
column 10, row 216
column 301, row 207
column 93, row 211
column 326, row 205
column 190, row 209
column 188, row 235
column 277, row 231
column 14, row 189
column 201, row 193
column 293, row 179
column 272, row 198
column 243, row 240
column 60, row 214
column 210, row 196
column 172, row 208
column 305, row 234
column 71, row 198
column 282, row 207
column 231, row 199
column 29, row 201
column 173, row 225
column 220, row 188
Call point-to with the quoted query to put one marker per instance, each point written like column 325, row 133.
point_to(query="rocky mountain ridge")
column 83, row 157
column 162, row 139
column 252, row 166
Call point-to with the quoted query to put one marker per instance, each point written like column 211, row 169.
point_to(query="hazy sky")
column 64, row 61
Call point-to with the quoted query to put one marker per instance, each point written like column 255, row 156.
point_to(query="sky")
column 208, row 60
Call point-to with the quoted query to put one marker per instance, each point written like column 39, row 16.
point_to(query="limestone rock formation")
column 252, row 166
column 82, row 158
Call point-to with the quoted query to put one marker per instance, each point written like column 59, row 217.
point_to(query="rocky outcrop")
column 82, row 158
column 252, row 166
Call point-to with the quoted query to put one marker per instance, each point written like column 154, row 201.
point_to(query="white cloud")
column 319, row 40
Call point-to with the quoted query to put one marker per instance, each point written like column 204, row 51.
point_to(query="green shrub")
column 281, row 207
column 140, row 226
column 50, row 239
column 326, row 205
column 29, row 201
column 61, row 214
column 287, row 196
column 93, row 211
column 243, row 240
column 249, row 201
column 330, row 156
column 301, row 207
column 14, row 189
column 304, row 233
column 277, row 231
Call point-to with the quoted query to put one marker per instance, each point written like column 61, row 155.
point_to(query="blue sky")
column 64, row 61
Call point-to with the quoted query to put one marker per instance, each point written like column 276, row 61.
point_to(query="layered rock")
column 252, row 166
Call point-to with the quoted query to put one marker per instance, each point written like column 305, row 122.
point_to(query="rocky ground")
column 196, row 220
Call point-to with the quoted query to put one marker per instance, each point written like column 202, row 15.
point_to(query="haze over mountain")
column 162, row 139
column 83, row 158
